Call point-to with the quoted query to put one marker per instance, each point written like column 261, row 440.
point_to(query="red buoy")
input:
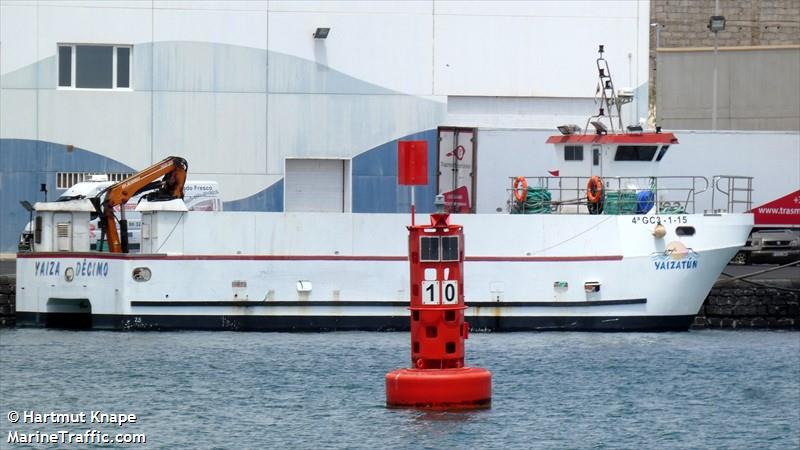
column 438, row 378
column 464, row 388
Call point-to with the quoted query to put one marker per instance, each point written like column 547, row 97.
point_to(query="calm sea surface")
column 701, row 389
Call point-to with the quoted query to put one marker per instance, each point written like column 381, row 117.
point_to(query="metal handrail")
column 671, row 194
column 729, row 194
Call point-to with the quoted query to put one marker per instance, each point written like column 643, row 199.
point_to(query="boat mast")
column 611, row 102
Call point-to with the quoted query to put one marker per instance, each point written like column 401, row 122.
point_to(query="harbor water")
column 699, row 389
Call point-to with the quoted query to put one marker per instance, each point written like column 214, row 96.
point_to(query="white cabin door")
column 597, row 160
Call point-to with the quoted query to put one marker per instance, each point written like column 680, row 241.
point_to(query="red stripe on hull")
column 60, row 255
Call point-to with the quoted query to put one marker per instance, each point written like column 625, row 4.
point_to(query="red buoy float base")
column 463, row 388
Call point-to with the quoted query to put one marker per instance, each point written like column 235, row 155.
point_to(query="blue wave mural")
column 193, row 69
column 375, row 187
column 374, row 183
column 26, row 164
column 270, row 199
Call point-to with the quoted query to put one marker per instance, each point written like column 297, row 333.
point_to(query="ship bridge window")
column 662, row 152
column 635, row 152
column 573, row 153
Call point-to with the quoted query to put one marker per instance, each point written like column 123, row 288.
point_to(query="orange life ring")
column 594, row 189
column 520, row 188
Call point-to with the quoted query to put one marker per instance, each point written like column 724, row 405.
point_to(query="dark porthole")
column 685, row 231
column 141, row 274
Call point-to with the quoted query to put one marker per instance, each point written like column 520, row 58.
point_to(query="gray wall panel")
column 115, row 124
column 317, row 125
column 216, row 132
column 757, row 89
column 18, row 113
column 203, row 67
column 290, row 74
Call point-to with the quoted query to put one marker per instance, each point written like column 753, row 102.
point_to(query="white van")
column 198, row 196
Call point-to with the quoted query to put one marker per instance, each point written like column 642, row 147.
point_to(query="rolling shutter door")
column 314, row 185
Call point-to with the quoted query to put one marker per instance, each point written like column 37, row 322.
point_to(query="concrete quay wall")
column 773, row 304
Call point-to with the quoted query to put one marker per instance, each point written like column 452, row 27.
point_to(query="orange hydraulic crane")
column 165, row 179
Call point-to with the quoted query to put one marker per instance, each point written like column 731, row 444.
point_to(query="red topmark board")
column 412, row 162
column 782, row 211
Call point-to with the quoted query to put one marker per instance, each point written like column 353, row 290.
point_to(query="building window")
column 64, row 66
column 65, row 180
column 573, row 153
column 94, row 66
column 635, row 153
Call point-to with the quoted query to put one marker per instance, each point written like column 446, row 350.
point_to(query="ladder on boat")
column 611, row 100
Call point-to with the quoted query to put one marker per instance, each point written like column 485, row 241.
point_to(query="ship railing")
column 731, row 193
column 621, row 195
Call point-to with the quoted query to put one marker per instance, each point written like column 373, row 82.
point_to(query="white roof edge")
column 676, row 132
column 71, row 205
column 169, row 205
column 786, row 132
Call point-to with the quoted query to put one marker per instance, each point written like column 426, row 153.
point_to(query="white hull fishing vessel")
column 608, row 247
column 320, row 271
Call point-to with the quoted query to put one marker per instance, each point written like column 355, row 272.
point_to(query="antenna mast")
column 611, row 102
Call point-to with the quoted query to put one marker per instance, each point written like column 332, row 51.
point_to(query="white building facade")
column 284, row 120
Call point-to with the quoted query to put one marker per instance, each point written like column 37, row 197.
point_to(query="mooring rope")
column 745, row 277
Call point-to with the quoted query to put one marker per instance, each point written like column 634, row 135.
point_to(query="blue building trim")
column 374, row 183
column 375, row 188
column 25, row 164
column 270, row 199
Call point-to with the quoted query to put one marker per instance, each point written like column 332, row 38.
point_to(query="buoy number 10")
column 433, row 291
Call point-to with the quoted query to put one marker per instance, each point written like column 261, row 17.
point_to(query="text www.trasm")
column 784, row 211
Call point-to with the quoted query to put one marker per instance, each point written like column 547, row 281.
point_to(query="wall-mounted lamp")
column 321, row 33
